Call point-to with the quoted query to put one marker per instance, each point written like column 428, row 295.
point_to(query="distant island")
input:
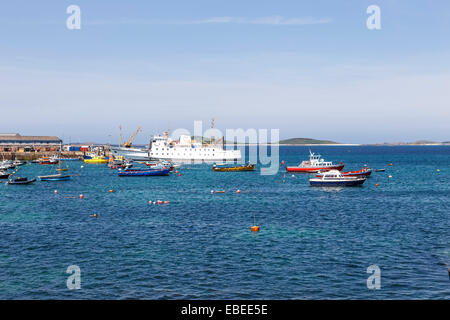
column 291, row 141
column 306, row 141
column 303, row 142
column 415, row 143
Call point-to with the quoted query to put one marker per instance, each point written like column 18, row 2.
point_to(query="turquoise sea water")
column 313, row 243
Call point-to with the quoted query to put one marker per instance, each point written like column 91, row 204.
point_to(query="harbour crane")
column 120, row 137
column 130, row 141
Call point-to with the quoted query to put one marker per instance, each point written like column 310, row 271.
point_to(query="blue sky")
column 308, row 68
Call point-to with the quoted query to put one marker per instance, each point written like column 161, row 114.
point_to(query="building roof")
column 15, row 137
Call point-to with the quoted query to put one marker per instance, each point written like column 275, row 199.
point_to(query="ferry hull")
column 184, row 155
column 131, row 153
column 314, row 169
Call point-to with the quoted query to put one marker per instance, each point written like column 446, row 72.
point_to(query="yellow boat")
column 96, row 159
column 247, row 167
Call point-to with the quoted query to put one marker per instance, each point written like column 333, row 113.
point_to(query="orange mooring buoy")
column 254, row 228
column 377, row 184
column 238, row 191
column 390, row 164
column 111, row 190
column 81, row 196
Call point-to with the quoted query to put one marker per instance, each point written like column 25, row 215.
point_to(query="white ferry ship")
column 183, row 150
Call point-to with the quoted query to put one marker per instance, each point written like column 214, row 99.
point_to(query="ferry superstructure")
column 185, row 149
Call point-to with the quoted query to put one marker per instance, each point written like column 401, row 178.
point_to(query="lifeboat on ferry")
column 315, row 164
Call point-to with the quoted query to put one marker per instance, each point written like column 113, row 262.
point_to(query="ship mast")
column 166, row 135
column 212, row 128
column 59, row 157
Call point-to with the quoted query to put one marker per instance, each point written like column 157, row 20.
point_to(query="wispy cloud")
column 272, row 20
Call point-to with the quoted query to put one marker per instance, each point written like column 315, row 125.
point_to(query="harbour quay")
column 16, row 146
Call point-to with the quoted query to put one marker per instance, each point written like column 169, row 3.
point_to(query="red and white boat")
column 315, row 164
column 48, row 160
column 364, row 172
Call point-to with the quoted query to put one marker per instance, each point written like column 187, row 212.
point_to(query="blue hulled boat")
column 144, row 172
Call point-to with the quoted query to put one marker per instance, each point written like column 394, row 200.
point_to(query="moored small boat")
column 48, row 160
column 164, row 163
column 58, row 176
column 144, row 172
column 7, row 164
column 69, row 159
column 4, row 175
column 315, row 164
column 19, row 180
column 334, row 178
column 365, row 172
column 246, row 167
column 54, row 177
column 96, row 160
column 18, row 163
